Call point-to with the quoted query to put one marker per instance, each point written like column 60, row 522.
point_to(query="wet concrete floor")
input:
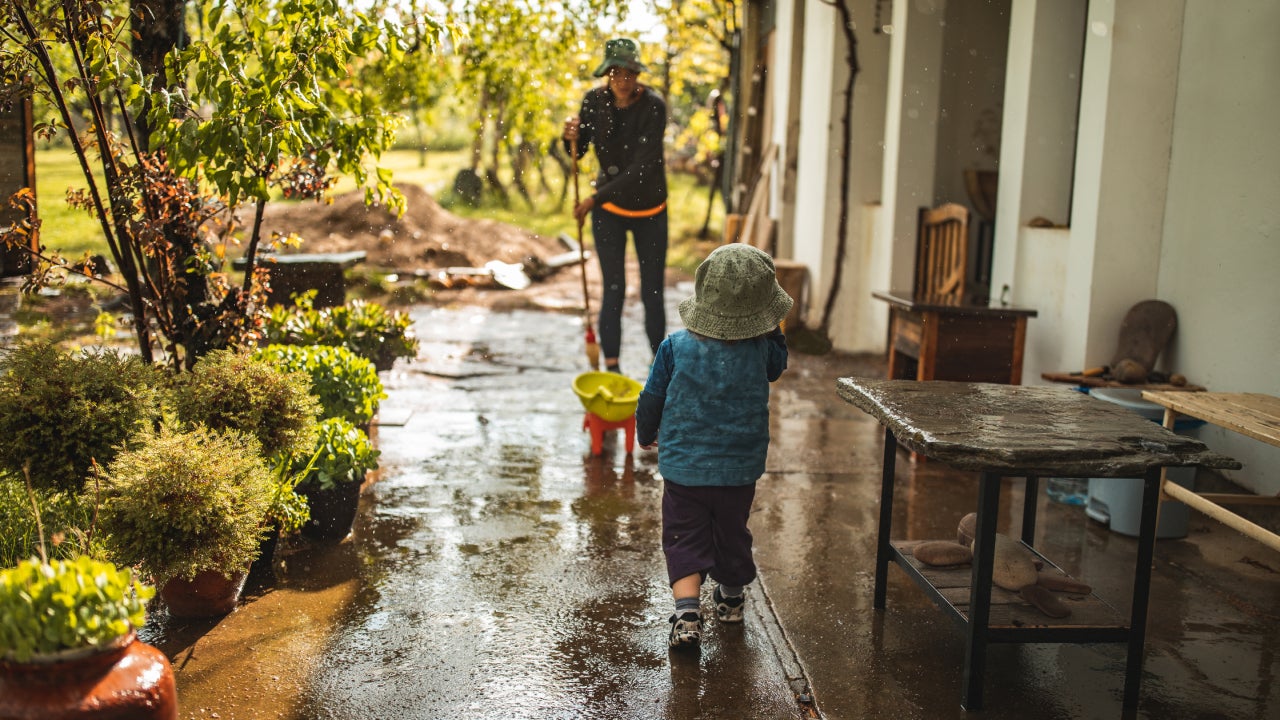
column 497, row 570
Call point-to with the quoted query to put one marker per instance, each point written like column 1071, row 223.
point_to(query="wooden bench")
column 1251, row 414
column 290, row 275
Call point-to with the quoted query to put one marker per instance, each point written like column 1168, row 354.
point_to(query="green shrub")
column 184, row 502
column 66, row 519
column 343, row 455
column 346, row 384
column 229, row 390
column 67, row 604
column 289, row 511
column 365, row 328
column 60, row 412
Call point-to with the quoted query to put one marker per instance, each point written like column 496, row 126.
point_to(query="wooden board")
column 1086, row 381
column 1008, row 609
column 1252, row 414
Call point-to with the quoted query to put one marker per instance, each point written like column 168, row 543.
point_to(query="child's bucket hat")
column 736, row 295
column 620, row 52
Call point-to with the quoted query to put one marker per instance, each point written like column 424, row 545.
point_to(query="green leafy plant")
column 289, row 511
column 343, row 455
column 346, row 384
column 60, row 412
column 64, row 519
column 184, row 502
column 67, row 604
column 231, row 390
column 366, row 328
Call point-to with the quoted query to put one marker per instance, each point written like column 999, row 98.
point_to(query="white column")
column 1122, row 166
column 816, row 170
column 1037, row 153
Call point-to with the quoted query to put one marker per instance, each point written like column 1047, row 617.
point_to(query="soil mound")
column 426, row 237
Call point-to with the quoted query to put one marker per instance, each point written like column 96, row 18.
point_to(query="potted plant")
column 69, row 648
column 331, row 481
column 62, row 412
column 366, row 328
column 188, row 508
column 346, row 384
column 232, row 390
column 288, row 511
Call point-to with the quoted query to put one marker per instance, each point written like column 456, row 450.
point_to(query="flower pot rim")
column 74, row 654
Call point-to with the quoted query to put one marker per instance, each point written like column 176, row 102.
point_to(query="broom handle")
column 582, row 253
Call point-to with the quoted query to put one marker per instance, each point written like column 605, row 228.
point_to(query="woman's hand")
column 582, row 209
column 571, row 127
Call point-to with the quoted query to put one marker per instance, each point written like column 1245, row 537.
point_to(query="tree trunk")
column 846, row 147
column 158, row 27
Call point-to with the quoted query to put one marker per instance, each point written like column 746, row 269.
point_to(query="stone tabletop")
column 1019, row 430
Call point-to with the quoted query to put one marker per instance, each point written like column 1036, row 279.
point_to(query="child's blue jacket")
column 707, row 403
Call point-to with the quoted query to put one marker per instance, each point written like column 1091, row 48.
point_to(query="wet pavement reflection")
column 497, row 570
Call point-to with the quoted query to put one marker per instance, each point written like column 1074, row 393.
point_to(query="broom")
column 593, row 349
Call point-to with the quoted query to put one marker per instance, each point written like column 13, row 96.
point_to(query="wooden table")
column 1251, row 414
column 954, row 338
column 1001, row 431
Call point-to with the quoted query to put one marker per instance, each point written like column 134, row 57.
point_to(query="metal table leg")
column 980, row 591
column 884, row 551
column 1029, row 497
column 1141, row 588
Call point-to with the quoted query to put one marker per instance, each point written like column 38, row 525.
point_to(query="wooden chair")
column 942, row 252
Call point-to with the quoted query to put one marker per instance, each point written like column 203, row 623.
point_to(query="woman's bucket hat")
column 736, row 295
column 620, row 52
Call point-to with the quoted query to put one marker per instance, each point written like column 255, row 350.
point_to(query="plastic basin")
column 609, row 395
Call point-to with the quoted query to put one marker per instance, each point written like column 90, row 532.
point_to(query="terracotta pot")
column 333, row 511
column 208, row 594
column 128, row 679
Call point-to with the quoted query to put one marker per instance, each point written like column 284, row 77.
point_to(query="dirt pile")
column 426, row 237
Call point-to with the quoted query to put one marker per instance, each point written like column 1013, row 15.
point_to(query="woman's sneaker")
column 686, row 630
column 728, row 609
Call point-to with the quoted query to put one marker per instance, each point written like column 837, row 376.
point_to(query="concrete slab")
column 497, row 570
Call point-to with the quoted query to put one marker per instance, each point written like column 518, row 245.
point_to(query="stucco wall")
column 1221, row 247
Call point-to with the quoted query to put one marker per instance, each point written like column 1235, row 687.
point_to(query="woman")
column 625, row 121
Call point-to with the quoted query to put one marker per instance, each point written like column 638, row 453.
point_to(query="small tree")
column 522, row 65
column 262, row 98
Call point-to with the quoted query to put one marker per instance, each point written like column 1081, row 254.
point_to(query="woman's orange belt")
column 650, row 212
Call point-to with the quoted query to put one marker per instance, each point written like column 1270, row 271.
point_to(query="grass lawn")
column 69, row 231
column 73, row 232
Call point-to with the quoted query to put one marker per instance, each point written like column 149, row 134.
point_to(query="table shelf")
column 1012, row 619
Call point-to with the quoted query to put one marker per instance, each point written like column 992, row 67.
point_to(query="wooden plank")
column 1019, row 347
column 974, row 349
column 1222, row 515
column 1239, row 499
column 1251, row 414
column 1087, row 381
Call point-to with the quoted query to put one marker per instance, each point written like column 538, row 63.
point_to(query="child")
column 706, row 404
